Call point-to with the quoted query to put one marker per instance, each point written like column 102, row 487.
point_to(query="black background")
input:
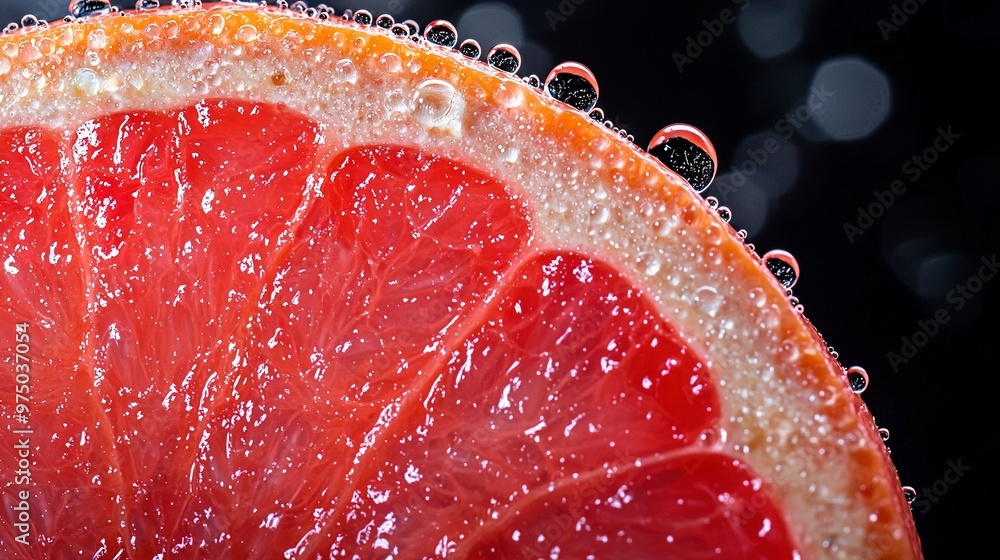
column 863, row 296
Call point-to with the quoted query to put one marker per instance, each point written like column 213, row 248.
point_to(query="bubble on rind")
column 857, row 377
column 345, row 72
column 87, row 8
column 573, row 84
column 909, row 494
column 505, row 58
column 686, row 151
column 509, row 93
column 783, row 266
column 442, row 33
column 470, row 49
column 363, row 17
column 438, row 105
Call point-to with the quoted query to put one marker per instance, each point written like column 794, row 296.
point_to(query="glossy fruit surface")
column 304, row 287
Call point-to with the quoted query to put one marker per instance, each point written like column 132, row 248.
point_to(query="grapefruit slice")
column 283, row 284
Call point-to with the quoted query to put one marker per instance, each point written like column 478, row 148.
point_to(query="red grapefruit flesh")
column 315, row 312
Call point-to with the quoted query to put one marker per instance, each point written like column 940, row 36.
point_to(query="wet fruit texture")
column 302, row 287
column 244, row 359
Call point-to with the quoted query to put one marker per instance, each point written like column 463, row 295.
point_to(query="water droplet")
column 884, row 434
column 247, row 33
column 84, row 8
column 713, row 202
column 29, row 21
column 441, row 32
column 345, row 72
column 391, row 63
column 725, row 213
column 858, row 378
column 504, row 58
column 300, row 6
column 363, row 17
column 742, row 234
column 412, row 26
column 597, row 114
column 400, row 30
column 708, row 299
column 510, row 93
column 433, row 101
column 573, row 84
column 688, row 152
column 470, row 48
column 348, row 15
column 909, row 494
column 783, row 266
column 385, row 21
column 533, row 81
column 599, row 214
column 649, row 263
column 10, row 27
column 711, row 437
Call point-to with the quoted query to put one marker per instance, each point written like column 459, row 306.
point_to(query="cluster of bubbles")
column 681, row 148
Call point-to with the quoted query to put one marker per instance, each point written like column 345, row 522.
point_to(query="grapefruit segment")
column 374, row 298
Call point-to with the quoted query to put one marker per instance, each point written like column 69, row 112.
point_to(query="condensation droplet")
column 884, row 434
column 247, row 33
column 435, row 103
column 599, row 214
column 909, row 494
column 171, row 29
column 783, row 266
column 345, row 72
column 216, row 24
column 649, row 263
column 597, row 114
column 399, row 30
column 505, row 58
column 142, row 5
column 708, row 300
column 441, row 32
column 391, row 63
column 686, row 151
column 858, row 379
column 573, row 84
column 85, row 8
column 363, row 17
column 510, row 93
column 385, row 21
column 725, row 213
column 395, row 101
column 470, row 48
